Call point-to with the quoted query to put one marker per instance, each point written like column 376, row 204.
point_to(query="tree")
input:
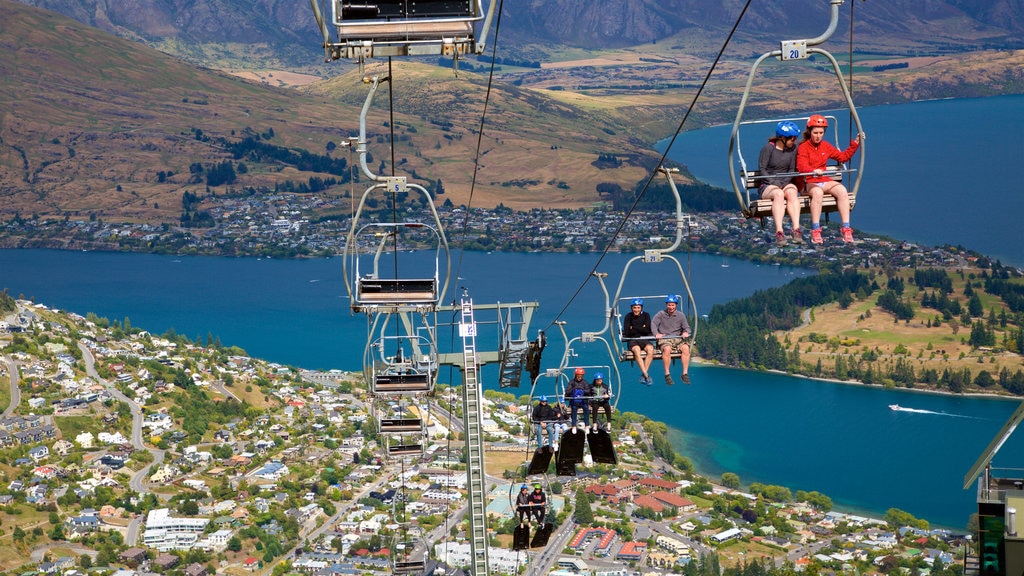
column 730, row 480
column 234, row 544
column 583, row 514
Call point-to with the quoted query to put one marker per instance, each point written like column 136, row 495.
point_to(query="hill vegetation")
column 952, row 331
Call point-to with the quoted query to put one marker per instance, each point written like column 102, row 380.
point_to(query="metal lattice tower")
column 472, row 415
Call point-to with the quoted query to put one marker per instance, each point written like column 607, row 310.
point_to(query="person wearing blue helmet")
column 673, row 332
column 636, row 332
column 524, row 507
column 542, row 419
column 600, row 398
column 775, row 165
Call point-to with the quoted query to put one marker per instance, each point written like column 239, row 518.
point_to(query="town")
column 279, row 225
column 146, row 454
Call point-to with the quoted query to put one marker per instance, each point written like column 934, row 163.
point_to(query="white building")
column 498, row 559
column 216, row 541
column 164, row 532
column 85, row 439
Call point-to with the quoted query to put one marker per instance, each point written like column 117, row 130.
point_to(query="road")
column 12, row 371
column 316, row 533
column 138, row 480
column 39, row 551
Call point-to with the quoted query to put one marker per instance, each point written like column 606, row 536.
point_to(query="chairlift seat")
column 405, row 449
column 400, row 425
column 627, row 354
column 396, row 291
column 762, row 207
column 408, row 566
column 404, row 20
column 401, row 383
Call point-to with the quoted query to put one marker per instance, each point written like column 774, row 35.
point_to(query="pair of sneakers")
column 780, row 237
column 846, row 233
column 646, row 380
column 669, row 381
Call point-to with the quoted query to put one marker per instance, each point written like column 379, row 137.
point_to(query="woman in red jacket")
column 812, row 157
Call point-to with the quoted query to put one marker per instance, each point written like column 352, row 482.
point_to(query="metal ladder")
column 512, row 357
column 473, row 414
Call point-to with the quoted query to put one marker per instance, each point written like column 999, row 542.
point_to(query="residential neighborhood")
column 152, row 454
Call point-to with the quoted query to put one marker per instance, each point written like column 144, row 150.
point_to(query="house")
column 196, row 569
column 85, row 440
column 38, row 453
column 166, row 561
column 133, row 556
column 271, row 471
column 63, row 447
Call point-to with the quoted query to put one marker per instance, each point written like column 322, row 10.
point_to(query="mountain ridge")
column 255, row 33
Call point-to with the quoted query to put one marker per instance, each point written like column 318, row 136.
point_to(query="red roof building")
column 646, row 501
column 631, row 551
column 658, row 484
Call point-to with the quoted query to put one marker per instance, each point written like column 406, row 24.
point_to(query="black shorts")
column 641, row 343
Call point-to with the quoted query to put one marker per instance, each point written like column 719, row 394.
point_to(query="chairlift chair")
column 382, row 28
column 790, row 50
column 750, row 177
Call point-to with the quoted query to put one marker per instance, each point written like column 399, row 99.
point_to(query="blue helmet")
column 598, row 376
column 543, row 398
column 786, row 129
column 524, row 487
column 673, row 298
column 637, row 302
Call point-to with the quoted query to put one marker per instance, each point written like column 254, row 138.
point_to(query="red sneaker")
column 816, row 236
column 847, row 234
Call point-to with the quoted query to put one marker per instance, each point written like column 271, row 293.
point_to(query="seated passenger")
column 812, row 156
column 577, row 393
column 673, row 332
column 601, row 396
column 777, row 157
column 524, row 507
column 542, row 422
column 636, row 330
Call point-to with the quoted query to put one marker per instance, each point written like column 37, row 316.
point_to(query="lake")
column 841, row 440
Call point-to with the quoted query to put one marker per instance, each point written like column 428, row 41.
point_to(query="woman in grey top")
column 779, row 157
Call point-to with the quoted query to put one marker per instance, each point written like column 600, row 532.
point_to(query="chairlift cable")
column 664, row 155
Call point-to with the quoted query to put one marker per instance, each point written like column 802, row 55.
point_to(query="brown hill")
column 96, row 126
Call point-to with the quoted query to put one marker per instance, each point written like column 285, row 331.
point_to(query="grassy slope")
column 865, row 326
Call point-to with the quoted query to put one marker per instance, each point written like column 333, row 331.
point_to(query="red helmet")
column 817, row 121
column 580, row 371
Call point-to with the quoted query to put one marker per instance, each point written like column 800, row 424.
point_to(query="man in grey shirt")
column 672, row 331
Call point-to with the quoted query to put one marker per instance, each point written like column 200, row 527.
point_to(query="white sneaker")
column 555, row 447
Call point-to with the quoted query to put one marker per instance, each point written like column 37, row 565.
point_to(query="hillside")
column 99, row 127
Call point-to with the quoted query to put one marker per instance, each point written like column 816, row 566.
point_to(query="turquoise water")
column 841, row 440
column 937, row 172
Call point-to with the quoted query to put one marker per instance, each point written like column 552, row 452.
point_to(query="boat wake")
column 898, row 408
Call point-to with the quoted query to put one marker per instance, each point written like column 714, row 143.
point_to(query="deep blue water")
column 937, row 172
column 841, row 440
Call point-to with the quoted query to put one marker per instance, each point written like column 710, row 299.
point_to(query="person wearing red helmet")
column 778, row 157
column 812, row 158
column 577, row 396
